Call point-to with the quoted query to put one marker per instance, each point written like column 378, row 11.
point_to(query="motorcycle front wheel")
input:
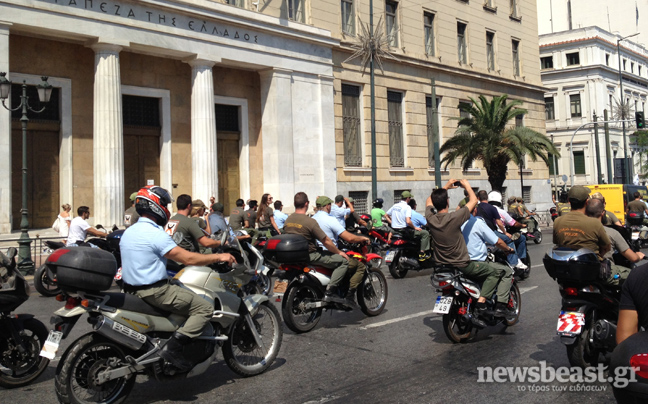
column 397, row 270
column 23, row 367
column 43, row 284
column 84, row 360
column 296, row 316
column 372, row 293
column 457, row 327
column 514, row 305
column 242, row 354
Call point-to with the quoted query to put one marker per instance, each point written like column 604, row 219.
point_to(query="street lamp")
column 625, row 140
column 25, row 262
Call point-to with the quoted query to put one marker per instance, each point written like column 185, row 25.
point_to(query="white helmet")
column 494, row 196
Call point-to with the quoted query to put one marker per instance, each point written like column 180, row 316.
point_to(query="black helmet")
column 153, row 200
column 378, row 203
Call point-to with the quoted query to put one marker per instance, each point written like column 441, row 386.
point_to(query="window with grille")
column 553, row 165
column 141, row 111
column 360, row 201
column 526, row 194
column 348, row 17
column 546, row 62
column 573, row 59
column 391, row 22
column 428, row 26
column 579, row 162
column 398, row 193
column 296, row 10
column 227, row 118
column 462, row 43
column 519, row 121
column 462, row 112
column 575, row 105
column 490, row 50
column 516, row 57
column 395, row 120
column 51, row 112
column 351, row 125
column 432, row 137
column 550, row 114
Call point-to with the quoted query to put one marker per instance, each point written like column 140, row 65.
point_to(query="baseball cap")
column 323, row 201
column 350, row 200
column 133, row 196
column 217, row 207
column 407, row 194
column 579, row 192
column 198, row 204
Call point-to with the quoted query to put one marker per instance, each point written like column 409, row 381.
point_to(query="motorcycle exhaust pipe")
column 605, row 333
column 409, row 263
column 119, row 333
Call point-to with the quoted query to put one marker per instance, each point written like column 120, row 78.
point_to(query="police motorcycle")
column 21, row 335
column 128, row 333
column 457, row 303
column 637, row 229
column 45, row 281
column 403, row 254
column 536, row 236
column 303, row 303
column 631, row 353
column 590, row 307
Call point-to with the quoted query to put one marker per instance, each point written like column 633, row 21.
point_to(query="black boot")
column 349, row 300
column 501, row 310
column 172, row 352
column 331, row 295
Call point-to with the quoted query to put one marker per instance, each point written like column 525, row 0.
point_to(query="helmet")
column 153, row 200
column 378, row 203
column 494, row 196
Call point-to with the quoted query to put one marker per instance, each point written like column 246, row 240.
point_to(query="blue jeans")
column 518, row 245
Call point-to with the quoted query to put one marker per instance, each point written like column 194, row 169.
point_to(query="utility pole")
column 435, row 135
column 598, row 150
column 608, row 151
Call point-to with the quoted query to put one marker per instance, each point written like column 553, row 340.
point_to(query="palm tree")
column 484, row 136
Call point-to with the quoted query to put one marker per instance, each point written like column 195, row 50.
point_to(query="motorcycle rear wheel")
column 396, row 270
column 515, row 304
column 27, row 366
column 296, row 317
column 43, row 284
column 580, row 353
column 372, row 293
column 81, row 363
column 538, row 237
column 241, row 352
column 457, row 328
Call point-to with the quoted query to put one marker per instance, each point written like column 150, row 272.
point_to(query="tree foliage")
column 487, row 137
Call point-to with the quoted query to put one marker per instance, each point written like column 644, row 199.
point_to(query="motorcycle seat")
column 126, row 301
column 54, row 245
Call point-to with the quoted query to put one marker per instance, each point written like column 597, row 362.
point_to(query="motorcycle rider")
column 340, row 213
column 633, row 307
column 377, row 216
column 524, row 214
column 450, row 247
column 575, row 230
column 464, row 201
column 237, row 217
column 145, row 248
column 417, row 218
column 353, row 218
column 300, row 223
column 637, row 206
column 79, row 229
column 333, row 230
column 595, row 209
column 401, row 218
column 610, row 218
column 520, row 243
column 185, row 231
column 130, row 215
column 279, row 216
column 563, row 206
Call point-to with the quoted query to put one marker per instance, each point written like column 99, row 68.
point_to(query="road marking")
column 524, row 290
column 396, row 320
column 537, row 266
column 322, row 400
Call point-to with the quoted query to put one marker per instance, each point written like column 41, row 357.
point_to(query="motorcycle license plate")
column 390, row 256
column 570, row 323
column 635, row 235
column 51, row 345
column 442, row 304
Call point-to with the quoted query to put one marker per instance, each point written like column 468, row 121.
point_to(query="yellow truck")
column 617, row 196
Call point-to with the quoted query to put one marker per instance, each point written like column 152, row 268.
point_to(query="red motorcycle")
column 302, row 304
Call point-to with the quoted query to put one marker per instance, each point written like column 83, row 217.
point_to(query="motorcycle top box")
column 287, row 249
column 572, row 265
column 635, row 218
column 83, row 268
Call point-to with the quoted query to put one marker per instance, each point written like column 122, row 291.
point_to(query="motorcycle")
column 554, row 213
column 403, row 255
column 128, row 333
column 590, row 308
column 638, row 230
column 499, row 256
column 378, row 237
column 457, row 304
column 21, row 335
column 302, row 304
column 632, row 352
column 536, row 236
column 45, row 281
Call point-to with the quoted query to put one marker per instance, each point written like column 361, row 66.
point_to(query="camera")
column 457, row 184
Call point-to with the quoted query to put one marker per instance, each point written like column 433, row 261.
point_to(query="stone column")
column 204, row 170
column 277, row 127
column 108, row 142
column 5, row 139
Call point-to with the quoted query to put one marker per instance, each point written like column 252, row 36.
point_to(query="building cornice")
column 593, row 39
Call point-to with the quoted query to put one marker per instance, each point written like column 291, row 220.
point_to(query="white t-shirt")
column 78, row 230
column 399, row 214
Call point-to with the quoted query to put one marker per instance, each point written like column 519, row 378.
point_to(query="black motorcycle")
column 590, row 307
column 630, row 387
column 21, row 335
column 403, row 255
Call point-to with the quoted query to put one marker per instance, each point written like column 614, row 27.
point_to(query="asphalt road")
column 401, row 356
